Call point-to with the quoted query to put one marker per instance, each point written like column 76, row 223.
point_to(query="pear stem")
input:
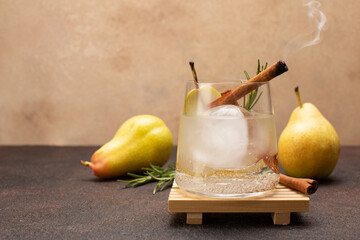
column 196, row 82
column 86, row 163
column 297, row 92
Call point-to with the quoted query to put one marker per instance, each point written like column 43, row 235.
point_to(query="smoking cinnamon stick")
column 304, row 185
column 227, row 92
column 232, row 96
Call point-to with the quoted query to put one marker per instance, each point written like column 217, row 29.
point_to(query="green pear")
column 309, row 146
column 140, row 140
column 197, row 100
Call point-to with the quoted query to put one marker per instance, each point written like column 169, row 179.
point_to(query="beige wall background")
column 71, row 72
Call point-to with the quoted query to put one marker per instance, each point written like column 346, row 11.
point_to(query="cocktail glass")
column 228, row 150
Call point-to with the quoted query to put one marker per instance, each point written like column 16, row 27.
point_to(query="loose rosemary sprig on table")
column 253, row 98
column 165, row 177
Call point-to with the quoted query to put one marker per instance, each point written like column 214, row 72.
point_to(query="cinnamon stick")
column 304, row 185
column 272, row 162
column 271, row 72
column 227, row 92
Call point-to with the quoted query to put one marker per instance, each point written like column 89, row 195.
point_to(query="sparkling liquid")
column 227, row 156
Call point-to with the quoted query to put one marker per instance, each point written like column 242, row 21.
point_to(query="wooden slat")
column 280, row 200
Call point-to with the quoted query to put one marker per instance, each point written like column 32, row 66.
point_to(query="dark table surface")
column 46, row 194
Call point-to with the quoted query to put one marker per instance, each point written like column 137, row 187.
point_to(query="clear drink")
column 228, row 151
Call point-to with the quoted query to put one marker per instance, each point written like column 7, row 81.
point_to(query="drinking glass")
column 228, row 150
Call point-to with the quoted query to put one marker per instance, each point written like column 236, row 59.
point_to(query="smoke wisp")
column 318, row 20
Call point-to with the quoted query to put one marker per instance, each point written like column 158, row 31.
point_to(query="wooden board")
column 281, row 202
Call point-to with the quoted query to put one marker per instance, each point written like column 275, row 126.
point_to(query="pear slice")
column 191, row 104
column 197, row 100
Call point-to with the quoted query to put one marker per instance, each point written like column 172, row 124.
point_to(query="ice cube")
column 219, row 140
column 225, row 110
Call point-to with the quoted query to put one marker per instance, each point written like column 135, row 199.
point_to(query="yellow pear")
column 140, row 140
column 309, row 146
column 197, row 100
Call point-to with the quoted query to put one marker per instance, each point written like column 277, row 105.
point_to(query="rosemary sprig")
column 165, row 177
column 252, row 97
